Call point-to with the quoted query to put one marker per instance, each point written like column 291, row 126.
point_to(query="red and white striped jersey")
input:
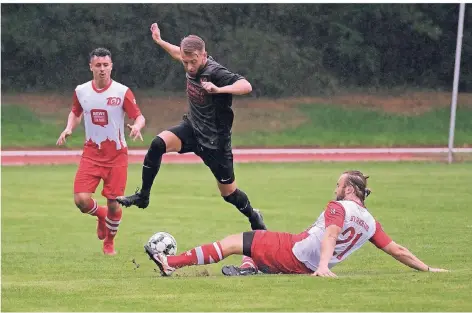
column 357, row 227
column 104, row 111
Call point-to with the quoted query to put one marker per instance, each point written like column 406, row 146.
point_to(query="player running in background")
column 205, row 130
column 343, row 227
column 103, row 103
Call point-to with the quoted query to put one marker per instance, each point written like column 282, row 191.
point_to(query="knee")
column 82, row 202
column 156, row 150
column 232, row 244
column 113, row 205
column 227, row 190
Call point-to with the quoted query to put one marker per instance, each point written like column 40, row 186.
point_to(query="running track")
column 40, row 157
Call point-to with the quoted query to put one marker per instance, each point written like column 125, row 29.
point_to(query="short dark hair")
column 99, row 52
column 191, row 44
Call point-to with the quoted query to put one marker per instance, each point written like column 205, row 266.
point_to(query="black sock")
column 240, row 200
column 152, row 164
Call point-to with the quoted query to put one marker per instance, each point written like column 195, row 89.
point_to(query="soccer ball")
column 163, row 242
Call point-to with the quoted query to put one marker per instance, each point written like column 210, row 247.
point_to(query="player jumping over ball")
column 205, row 130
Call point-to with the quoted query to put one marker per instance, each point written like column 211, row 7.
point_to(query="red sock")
column 96, row 210
column 113, row 220
column 102, row 211
column 248, row 262
column 206, row 254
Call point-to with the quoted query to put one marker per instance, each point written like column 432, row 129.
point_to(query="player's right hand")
column 62, row 138
column 135, row 132
column 324, row 272
column 156, row 32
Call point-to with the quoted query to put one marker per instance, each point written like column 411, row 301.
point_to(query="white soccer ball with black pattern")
column 163, row 242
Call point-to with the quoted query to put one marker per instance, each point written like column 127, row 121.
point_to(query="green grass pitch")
column 52, row 260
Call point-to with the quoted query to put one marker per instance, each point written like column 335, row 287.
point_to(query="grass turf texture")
column 327, row 126
column 52, row 260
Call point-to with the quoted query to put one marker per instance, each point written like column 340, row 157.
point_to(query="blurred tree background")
column 283, row 49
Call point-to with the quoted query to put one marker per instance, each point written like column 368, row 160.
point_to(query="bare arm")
column 72, row 122
column 173, row 50
column 240, row 87
column 404, row 256
column 139, row 122
column 328, row 244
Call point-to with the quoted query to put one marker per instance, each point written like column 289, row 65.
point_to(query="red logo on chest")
column 99, row 117
column 113, row 101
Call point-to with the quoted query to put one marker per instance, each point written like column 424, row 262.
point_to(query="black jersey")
column 211, row 115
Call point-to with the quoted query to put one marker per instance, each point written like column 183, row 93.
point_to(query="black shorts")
column 220, row 161
column 248, row 238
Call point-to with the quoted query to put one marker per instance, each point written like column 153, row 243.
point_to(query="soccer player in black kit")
column 205, row 130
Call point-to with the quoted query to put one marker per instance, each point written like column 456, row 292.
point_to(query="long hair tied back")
column 359, row 181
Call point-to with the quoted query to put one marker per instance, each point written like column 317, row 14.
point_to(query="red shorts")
column 88, row 177
column 272, row 253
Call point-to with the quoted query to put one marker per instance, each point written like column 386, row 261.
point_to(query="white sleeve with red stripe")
column 334, row 214
column 380, row 239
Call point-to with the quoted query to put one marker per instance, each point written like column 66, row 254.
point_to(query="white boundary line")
column 288, row 151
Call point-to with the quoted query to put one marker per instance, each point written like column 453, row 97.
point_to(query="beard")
column 341, row 196
column 200, row 68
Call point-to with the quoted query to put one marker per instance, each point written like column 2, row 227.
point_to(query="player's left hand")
column 135, row 132
column 324, row 272
column 210, row 87
column 437, row 270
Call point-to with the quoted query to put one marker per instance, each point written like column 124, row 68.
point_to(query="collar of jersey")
column 103, row 89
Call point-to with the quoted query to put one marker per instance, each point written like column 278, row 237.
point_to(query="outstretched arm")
column 404, row 256
column 382, row 241
column 173, row 50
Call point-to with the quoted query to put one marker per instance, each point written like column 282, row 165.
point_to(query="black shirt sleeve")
column 223, row 77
